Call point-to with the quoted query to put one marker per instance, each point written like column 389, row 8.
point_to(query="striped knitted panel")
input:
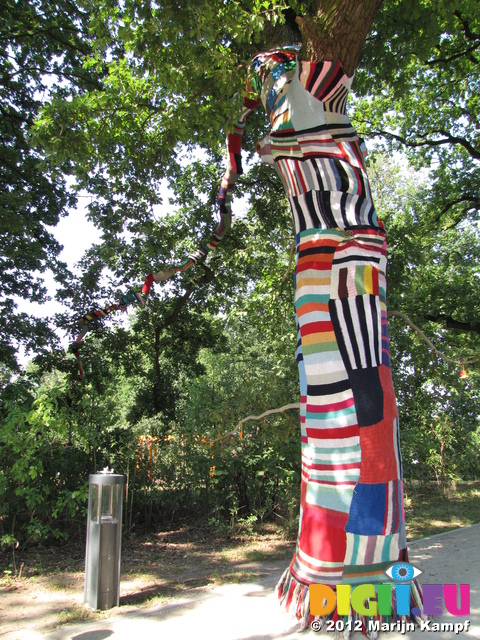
column 322, row 168
column 337, row 102
column 368, row 556
column 325, row 174
column 318, row 142
column 324, row 80
column 358, row 273
column 327, row 210
column 385, row 337
column 328, row 140
column 331, row 455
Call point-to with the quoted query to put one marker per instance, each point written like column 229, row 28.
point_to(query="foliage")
column 422, row 97
column 256, row 472
column 431, row 279
column 123, row 98
column 41, row 57
column 40, row 474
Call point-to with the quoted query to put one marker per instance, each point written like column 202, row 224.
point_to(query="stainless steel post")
column 104, row 540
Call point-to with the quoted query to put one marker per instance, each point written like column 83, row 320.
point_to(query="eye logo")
column 402, row 572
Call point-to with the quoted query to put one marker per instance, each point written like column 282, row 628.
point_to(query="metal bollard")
column 104, row 540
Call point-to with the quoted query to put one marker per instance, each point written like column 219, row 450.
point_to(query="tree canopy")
column 117, row 99
column 42, row 56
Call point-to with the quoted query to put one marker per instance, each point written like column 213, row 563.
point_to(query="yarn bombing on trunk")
column 352, row 521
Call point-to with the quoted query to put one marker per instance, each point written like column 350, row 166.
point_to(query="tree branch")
column 451, row 323
column 469, row 36
column 466, row 27
column 472, row 200
column 238, row 428
column 290, row 259
column 54, row 35
column 434, row 349
column 449, row 139
column 455, row 56
column 474, row 153
column 207, row 277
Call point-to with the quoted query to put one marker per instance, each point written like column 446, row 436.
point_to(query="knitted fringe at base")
column 294, row 597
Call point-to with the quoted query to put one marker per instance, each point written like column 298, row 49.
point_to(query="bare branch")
column 290, row 259
column 287, row 407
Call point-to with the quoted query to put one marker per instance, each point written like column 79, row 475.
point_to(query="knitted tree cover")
column 352, row 522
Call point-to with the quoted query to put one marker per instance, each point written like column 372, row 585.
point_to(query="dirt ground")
column 156, row 569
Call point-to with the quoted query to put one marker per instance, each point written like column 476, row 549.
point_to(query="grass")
column 430, row 509
column 156, row 601
column 257, row 555
column 77, row 613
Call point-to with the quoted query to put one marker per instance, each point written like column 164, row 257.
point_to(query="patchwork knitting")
column 352, row 522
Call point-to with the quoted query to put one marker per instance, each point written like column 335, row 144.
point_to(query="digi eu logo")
column 376, row 599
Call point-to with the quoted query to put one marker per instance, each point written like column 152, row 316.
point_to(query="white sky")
column 76, row 234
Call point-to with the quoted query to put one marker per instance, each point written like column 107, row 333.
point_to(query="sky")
column 76, row 234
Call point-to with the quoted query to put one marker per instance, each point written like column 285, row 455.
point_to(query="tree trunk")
column 337, row 31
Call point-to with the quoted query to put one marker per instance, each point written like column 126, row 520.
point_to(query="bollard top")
column 106, row 476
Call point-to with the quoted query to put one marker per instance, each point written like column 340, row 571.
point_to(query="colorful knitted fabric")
column 352, row 523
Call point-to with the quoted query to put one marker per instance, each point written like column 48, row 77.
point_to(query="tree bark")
column 337, row 31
